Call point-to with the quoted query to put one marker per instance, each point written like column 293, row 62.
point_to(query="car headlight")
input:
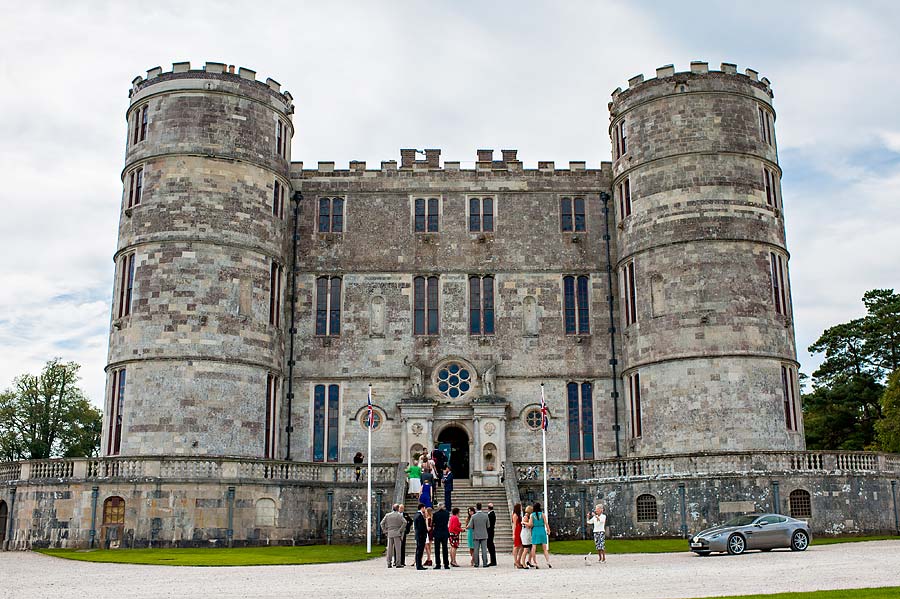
column 695, row 540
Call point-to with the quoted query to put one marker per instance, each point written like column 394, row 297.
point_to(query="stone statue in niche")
column 416, row 378
column 489, row 380
column 530, row 324
column 376, row 317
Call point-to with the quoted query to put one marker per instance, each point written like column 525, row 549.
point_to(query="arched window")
column 265, row 512
column 4, row 514
column 454, row 380
column 801, row 506
column 646, row 508
column 113, row 529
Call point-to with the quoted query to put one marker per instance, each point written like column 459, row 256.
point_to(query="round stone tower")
column 705, row 312
column 196, row 345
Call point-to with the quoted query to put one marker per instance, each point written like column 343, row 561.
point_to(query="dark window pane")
column 335, row 308
column 324, row 215
column 322, row 306
column 488, row 304
column 474, row 305
column 333, row 415
column 488, row 210
column 276, row 191
column 587, row 420
column 569, row 304
column 420, row 216
column 579, row 214
column 319, row 424
column 574, row 433
column 419, row 306
column 432, row 215
column 474, row 215
column 433, row 324
column 584, row 320
column 337, row 215
column 565, row 214
column 129, row 290
column 138, row 186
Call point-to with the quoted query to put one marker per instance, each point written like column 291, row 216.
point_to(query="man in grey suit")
column 479, row 525
column 393, row 525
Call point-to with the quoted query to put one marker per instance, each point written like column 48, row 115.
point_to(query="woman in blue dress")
column 539, row 534
column 425, row 496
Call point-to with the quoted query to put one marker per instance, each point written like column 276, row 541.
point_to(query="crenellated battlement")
column 697, row 70
column 216, row 70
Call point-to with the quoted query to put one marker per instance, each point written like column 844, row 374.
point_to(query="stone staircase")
column 465, row 495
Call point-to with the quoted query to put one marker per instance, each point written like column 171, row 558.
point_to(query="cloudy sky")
column 372, row 77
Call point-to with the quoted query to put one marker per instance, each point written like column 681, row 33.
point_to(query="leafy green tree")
column 48, row 416
column 888, row 428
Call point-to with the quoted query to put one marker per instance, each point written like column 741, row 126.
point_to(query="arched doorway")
column 4, row 514
column 459, row 455
column 113, row 527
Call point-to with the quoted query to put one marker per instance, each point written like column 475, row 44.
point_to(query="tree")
column 888, row 428
column 48, row 416
column 842, row 415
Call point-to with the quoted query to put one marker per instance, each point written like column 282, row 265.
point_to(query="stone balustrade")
column 200, row 469
column 699, row 464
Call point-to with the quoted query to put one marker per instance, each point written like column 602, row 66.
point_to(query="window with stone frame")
column 328, row 306
column 126, row 284
column 140, row 124
column 426, row 214
column 135, row 187
column 116, row 405
column 625, row 198
column 481, row 305
column 276, row 274
column 621, row 139
column 646, row 508
column 278, row 199
column 789, row 397
column 272, row 388
column 634, row 401
column 532, row 418
column 580, row 406
column 325, row 420
column 280, row 138
column 770, row 184
column 778, row 277
column 572, row 216
column 800, row 503
column 630, row 294
column 426, row 305
column 113, row 511
column 331, row 215
column 481, row 215
column 576, row 304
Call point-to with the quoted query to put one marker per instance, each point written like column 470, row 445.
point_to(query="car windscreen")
column 741, row 521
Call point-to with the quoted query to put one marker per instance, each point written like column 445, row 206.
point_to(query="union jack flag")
column 371, row 409
column 545, row 415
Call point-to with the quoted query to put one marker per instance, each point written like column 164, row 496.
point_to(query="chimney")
column 433, row 158
column 509, row 155
column 407, row 157
column 485, row 155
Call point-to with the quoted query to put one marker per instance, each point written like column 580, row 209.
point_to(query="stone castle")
column 256, row 300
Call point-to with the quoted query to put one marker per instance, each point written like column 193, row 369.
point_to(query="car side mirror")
column 761, row 524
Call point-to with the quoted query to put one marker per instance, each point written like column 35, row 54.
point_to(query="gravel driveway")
column 851, row 565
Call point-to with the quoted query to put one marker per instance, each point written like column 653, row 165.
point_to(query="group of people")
column 530, row 530
column 427, row 471
column 442, row 529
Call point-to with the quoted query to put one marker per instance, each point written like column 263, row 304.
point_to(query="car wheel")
column 736, row 544
column 799, row 541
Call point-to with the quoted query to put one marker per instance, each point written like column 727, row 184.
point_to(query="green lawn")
column 238, row 556
column 878, row 593
column 669, row 545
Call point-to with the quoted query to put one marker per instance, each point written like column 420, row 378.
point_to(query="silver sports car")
column 753, row 531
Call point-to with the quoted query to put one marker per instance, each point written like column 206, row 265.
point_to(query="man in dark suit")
column 492, row 523
column 448, row 488
column 421, row 528
column 409, row 524
column 440, row 460
column 441, row 522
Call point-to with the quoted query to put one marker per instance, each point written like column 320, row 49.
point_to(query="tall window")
column 140, row 124
column 326, row 414
column 275, row 276
column 425, row 306
column 630, row 289
column 765, row 125
column 625, row 198
column 271, row 415
column 280, row 138
column 580, row 404
column 481, row 305
column 481, row 214
column 779, row 294
column 571, row 214
column 427, row 215
column 117, row 396
column 331, row 215
column 278, row 199
column 621, row 139
column 328, row 306
column 135, row 187
column 576, row 301
column 790, row 410
column 634, row 392
column 126, row 285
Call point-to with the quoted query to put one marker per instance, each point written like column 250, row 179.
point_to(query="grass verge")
column 873, row 593
column 238, row 556
column 614, row 546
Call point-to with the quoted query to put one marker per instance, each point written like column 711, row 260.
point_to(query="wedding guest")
column 455, row 528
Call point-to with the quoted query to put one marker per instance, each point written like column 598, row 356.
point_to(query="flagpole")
column 369, row 478
column 544, row 447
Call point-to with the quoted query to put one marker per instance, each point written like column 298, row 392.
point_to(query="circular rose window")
column 454, row 380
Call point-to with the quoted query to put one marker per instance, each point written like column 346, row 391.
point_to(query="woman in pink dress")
column 455, row 529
